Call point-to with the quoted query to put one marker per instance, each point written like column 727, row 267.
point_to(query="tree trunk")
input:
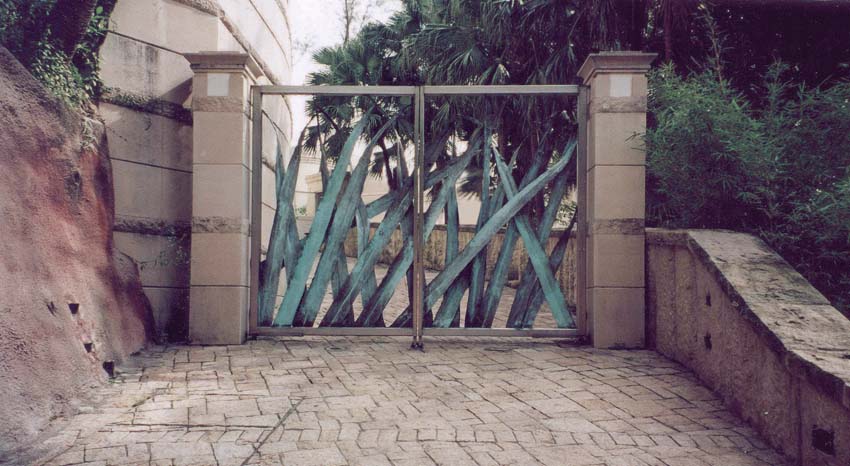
column 637, row 24
column 668, row 30
column 69, row 21
column 385, row 154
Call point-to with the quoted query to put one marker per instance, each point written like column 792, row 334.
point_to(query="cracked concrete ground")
column 372, row 401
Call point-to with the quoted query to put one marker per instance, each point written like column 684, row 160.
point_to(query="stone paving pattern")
column 372, row 401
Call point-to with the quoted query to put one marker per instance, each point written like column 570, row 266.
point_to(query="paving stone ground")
column 372, row 401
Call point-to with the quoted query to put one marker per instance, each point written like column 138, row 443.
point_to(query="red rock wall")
column 56, row 214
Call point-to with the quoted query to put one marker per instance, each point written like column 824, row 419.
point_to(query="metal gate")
column 301, row 283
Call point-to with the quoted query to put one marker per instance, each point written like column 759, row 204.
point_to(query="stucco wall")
column 729, row 308
column 149, row 125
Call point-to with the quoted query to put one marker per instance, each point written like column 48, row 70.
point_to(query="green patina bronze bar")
column 537, row 254
column 319, row 260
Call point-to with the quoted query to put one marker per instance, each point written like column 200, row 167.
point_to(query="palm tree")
column 362, row 60
column 475, row 42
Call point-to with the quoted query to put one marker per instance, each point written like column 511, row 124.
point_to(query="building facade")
column 147, row 111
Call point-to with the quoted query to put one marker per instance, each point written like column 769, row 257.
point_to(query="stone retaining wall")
column 754, row 330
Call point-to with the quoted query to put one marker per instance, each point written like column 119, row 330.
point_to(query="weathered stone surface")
column 755, row 330
column 69, row 303
column 372, row 401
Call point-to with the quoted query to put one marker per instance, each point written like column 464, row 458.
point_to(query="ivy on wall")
column 59, row 48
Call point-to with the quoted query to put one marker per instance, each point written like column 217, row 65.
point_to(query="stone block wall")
column 754, row 330
column 148, row 117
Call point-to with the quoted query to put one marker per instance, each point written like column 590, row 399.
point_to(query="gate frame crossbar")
column 419, row 94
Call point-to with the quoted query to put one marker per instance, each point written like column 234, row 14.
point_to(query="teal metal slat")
column 277, row 255
column 537, row 255
column 297, row 285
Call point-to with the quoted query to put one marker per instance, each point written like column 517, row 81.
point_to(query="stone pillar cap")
column 223, row 61
column 615, row 62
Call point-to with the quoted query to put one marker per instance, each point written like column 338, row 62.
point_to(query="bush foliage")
column 25, row 30
column 778, row 167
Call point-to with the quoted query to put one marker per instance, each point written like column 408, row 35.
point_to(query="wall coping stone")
column 219, row 61
column 809, row 336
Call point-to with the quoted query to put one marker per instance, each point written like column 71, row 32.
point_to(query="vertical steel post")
column 581, row 221
column 256, row 203
column 418, row 200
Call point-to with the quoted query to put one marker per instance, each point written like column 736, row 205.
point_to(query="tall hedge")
column 777, row 166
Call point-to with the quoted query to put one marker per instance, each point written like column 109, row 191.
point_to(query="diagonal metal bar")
column 296, row 288
column 340, row 269
column 537, row 254
column 478, row 272
column 449, row 312
column 555, row 259
column 499, row 275
column 404, row 259
column 364, row 229
column 330, row 258
column 277, row 254
column 528, row 279
column 333, row 260
column 381, row 204
column 479, row 241
column 395, row 213
column 450, row 305
column 366, row 262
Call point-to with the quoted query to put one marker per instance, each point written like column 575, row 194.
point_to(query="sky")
column 316, row 24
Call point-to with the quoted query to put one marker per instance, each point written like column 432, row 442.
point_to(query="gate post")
column 221, row 197
column 614, row 183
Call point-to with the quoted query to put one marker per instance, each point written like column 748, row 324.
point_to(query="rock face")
column 68, row 303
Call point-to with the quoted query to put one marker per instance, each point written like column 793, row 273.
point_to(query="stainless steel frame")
column 419, row 93
column 581, row 221
column 429, row 331
column 418, row 219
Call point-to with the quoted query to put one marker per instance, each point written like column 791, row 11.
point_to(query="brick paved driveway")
column 371, row 401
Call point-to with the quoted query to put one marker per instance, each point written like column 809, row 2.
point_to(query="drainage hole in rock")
column 109, row 367
column 74, row 308
column 823, row 440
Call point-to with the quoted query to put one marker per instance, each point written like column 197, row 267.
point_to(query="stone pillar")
column 221, row 197
column 614, row 185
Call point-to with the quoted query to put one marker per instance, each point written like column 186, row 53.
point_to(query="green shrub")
column 25, row 31
column 778, row 168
